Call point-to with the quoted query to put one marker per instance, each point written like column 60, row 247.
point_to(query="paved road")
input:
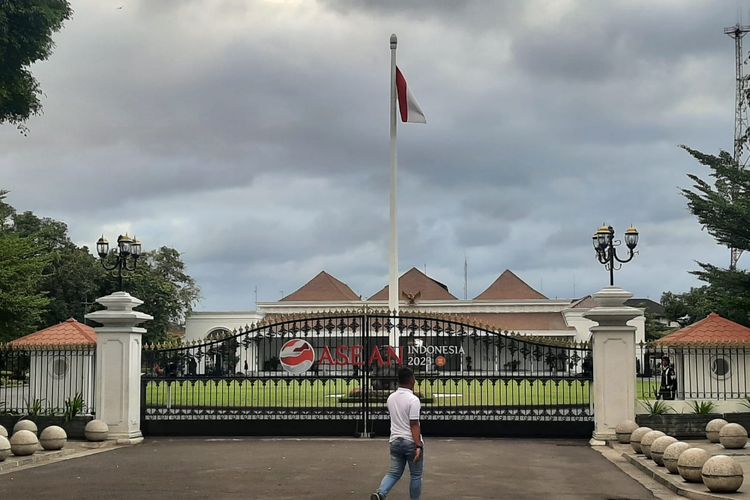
column 330, row 469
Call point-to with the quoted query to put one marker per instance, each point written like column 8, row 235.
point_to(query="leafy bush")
column 34, row 408
column 656, row 407
column 73, row 406
column 702, row 407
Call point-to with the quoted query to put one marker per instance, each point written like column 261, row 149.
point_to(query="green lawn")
column 646, row 388
column 338, row 393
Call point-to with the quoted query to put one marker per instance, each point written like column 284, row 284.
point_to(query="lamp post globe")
column 606, row 245
column 125, row 255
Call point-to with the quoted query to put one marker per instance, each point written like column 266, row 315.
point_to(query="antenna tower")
column 738, row 32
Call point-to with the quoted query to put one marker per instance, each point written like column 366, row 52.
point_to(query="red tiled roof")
column 415, row 281
column 67, row 333
column 713, row 330
column 508, row 286
column 520, row 322
column 322, row 288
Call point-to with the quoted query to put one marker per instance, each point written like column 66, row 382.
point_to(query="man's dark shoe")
column 376, row 496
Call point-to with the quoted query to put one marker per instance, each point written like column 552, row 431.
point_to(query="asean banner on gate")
column 297, row 355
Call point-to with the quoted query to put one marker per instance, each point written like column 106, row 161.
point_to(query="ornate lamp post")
column 605, row 243
column 128, row 250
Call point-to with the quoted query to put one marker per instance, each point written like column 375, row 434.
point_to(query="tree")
column 72, row 275
column 723, row 208
column 53, row 277
column 21, row 301
column 26, row 28
column 162, row 283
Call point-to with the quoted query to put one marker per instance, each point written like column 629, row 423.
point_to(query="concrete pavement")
column 276, row 469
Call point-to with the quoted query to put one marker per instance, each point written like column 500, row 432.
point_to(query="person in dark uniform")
column 668, row 387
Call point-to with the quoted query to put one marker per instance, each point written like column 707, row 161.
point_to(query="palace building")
column 508, row 304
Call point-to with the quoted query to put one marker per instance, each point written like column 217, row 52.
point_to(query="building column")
column 118, row 365
column 613, row 346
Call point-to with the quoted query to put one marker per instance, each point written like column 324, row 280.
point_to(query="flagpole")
column 393, row 293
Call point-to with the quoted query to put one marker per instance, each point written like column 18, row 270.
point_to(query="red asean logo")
column 296, row 356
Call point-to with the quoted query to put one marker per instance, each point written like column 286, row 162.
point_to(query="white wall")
column 54, row 389
column 200, row 324
column 574, row 318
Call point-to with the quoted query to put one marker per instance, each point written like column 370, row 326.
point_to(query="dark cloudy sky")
column 253, row 137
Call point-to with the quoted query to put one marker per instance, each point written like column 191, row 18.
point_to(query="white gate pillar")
column 118, row 365
column 613, row 348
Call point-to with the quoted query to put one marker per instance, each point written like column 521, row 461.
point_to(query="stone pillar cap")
column 119, row 311
column 611, row 308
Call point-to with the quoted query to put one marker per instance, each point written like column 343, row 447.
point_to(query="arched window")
column 217, row 333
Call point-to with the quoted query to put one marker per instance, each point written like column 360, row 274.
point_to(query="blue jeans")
column 403, row 451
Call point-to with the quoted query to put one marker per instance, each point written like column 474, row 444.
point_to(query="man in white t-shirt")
column 406, row 438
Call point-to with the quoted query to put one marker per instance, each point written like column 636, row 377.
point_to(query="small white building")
column 61, row 365
column 711, row 359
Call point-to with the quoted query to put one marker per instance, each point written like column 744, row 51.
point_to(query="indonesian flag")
column 407, row 104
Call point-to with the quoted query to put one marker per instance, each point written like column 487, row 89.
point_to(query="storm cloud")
column 253, row 137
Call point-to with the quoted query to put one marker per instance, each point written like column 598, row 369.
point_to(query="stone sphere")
column 4, row 448
column 713, row 428
column 25, row 425
column 733, row 436
column 648, row 439
column 672, row 453
column 53, row 438
column 659, row 446
column 96, row 430
column 722, row 474
column 623, row 431
column 690, row 464
column 23, row 443
column 635, row 438
column 3, row 432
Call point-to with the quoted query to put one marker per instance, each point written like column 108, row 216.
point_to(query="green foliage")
column 34, row 407
column 73, row 406
column 702, row 407
column 26, row 28
column 168, row 292
column 45, row 278
column 723, row 210
column 654, row 328
column 656, row 407
column 22, row 302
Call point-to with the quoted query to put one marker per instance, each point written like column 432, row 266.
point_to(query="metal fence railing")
column 47, row 380
column 692, row 372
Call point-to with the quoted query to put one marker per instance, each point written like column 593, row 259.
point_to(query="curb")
column 672, row 484
column 42, row 457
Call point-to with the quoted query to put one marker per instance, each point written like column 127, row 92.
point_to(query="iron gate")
column 331, row 375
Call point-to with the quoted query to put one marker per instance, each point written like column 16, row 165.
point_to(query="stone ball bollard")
column 96, row 430
column 722, row 474
column 648, row 439
column 4, row 448
column 733, row 436
column 23, row 443
column 636, row 436
column 672, row 453
column 25, row 425
column 659, row 446
column 690, row 464
column 3, row 432
column 713, row 428
column 624, row 430
column 53, row 438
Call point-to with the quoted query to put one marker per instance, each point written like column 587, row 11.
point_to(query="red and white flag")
column 407, row 104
